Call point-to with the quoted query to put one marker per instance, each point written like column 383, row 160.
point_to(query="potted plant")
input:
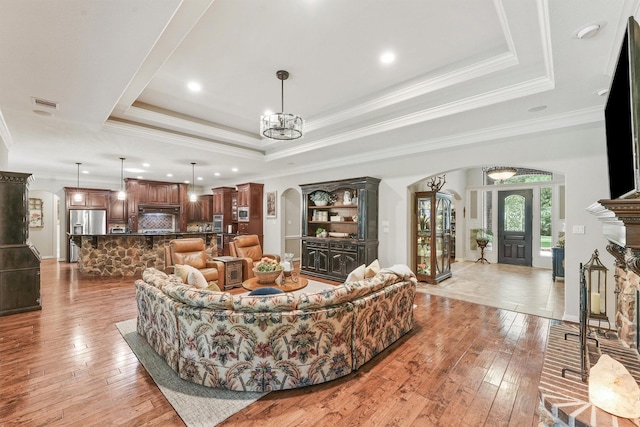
column 320, row 198
column 483, row 236
column 321, row 232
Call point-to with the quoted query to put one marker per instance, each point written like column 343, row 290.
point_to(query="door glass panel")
column 514, row 213
column 546, row 232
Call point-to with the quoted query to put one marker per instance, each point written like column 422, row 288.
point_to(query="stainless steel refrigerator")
column 85, row 221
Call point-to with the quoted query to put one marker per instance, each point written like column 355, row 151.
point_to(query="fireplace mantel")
column 620, row 221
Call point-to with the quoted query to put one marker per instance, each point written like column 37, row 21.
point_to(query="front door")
column 514, row 227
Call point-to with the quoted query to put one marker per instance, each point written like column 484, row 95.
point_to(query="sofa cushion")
column 213, row 286
column 158, row 278
column 324, row 298
column 372, row 269
column 199, row 297
column 277, row 302
column 356, row 274
column 196, row 279
column 182, row 271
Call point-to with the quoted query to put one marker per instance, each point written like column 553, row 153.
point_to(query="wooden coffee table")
column 289, row 286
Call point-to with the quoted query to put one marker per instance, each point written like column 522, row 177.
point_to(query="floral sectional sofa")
column 274, row 342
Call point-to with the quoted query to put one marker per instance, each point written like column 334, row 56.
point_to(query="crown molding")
column 527, row 88
column 186, row 141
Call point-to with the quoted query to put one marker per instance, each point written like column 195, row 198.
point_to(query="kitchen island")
column 128, row 254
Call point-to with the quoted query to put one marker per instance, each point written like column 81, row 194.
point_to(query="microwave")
column 243, row 214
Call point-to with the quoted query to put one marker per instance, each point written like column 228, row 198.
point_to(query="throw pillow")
column 182, row 271
column 356, row 275
column 372, row 269
column 266, row 291
column 196, row 279
column 213, row 286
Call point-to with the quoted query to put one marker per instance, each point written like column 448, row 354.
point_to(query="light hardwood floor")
column 463, row 364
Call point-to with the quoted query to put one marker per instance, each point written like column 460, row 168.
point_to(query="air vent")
column 44, row 103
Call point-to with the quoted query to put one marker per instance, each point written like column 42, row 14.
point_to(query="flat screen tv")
column 622, row 118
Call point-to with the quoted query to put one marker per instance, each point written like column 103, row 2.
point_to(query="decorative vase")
column 265, row 277
column 321, row 203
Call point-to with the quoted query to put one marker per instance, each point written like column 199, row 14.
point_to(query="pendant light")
column 282, row 126
column 193, row 197
column 121, row 194
column 78, row 196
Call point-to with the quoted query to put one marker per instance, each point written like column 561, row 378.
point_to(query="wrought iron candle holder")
column 596, row 277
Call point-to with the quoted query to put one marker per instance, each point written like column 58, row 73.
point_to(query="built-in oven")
column 243, row 214
column 218, row 221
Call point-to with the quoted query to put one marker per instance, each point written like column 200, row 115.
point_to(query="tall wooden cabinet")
column 19, row 259
column 350, row 221
column 432, row 236
column 250, row 196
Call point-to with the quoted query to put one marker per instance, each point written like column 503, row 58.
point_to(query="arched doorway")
column 291, row 222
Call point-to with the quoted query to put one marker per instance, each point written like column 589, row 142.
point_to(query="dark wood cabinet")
column 315, row 257
column 19, row 260
column 341, row 234
column 225, row 204
column 158, row 193
column 200, row 210
column 250, row 195
column 90, row 198
column 117, row 210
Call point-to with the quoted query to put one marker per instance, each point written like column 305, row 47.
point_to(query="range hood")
column 150, row 209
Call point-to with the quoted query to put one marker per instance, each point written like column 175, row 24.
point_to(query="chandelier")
column 282, row 126
column 498, row 173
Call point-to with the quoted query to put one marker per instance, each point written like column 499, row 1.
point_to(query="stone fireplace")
column 621, row 227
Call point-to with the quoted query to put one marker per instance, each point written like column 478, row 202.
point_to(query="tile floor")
column 516, row 288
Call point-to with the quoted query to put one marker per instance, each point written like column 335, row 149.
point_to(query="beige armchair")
column 248, row 247
column 191, row 251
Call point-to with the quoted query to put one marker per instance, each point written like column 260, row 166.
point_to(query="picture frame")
column 272, row 204
column 35, row 213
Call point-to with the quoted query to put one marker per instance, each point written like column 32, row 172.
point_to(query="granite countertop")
column 174, row 233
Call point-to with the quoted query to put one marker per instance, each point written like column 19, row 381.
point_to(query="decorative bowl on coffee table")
column 266, row 276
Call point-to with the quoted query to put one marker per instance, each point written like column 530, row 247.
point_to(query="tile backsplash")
column 156, row 221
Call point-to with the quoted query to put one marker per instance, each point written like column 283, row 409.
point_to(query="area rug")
column 195, row 404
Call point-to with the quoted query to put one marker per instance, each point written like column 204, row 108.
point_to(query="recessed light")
column 537, row 108
column 139, row 177
column 169, row 174
column 217, row 174
column 588, row 31
column 145, row 165
column 186, row 181
column 199, row 178
column 267, row 112
column 234, row 169
column 85, row 171
column 387, row 57
column 194, row 86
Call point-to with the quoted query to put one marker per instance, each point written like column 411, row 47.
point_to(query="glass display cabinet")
column 432, row 237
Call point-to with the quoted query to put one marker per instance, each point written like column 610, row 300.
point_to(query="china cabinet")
column 432, row 236
column 339, row 226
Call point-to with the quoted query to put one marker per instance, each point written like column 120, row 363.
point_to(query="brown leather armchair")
column 248, row 247
column 191, row 251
